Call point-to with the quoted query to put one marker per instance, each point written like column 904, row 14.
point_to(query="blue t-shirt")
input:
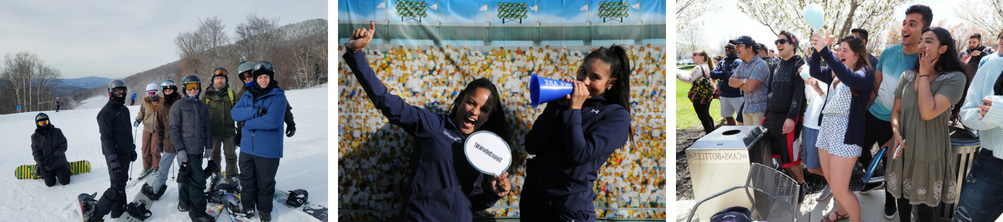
column 892, row 63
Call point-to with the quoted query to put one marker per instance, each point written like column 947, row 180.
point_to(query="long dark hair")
column 496, row 123
column 948, row 62
column 620, row 69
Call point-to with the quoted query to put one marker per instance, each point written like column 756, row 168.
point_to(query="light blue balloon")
column 814, row 15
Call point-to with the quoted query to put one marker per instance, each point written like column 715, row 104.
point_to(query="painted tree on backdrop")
column 840, row 15
column 983, row 15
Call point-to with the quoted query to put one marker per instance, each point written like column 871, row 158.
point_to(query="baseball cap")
column 745, row 40
column 732, row 214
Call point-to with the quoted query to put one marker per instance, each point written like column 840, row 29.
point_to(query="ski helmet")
column 152, row 87
column 220, row 71
column 263, row 67
column 115, row 88
column 244, row 67
column 297, row 197
column 190, row 81
column 168, row 84
column 40, row 118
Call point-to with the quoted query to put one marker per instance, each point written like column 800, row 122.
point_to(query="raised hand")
column 821, row 41
column 361, row 37
column 501, row 184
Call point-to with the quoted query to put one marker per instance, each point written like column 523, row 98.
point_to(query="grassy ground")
column 686, row 118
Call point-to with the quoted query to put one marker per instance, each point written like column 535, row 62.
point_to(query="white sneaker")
column 824, row 194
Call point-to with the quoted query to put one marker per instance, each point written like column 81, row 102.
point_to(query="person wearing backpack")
column 220, row 99
column 704, row 90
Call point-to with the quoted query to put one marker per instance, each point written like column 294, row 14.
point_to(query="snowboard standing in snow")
column 87, row 204
column 299, row 201
column 28, row 171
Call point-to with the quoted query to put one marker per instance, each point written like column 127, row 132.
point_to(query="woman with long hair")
column 574, row 136
column 442, row 186
column 921, row 172
column 702, row 70
column 850, row 78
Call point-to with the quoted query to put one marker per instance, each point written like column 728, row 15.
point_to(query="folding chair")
column 776, row 199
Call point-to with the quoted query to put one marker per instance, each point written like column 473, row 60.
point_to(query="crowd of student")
column 374, row 155
column 909, row 100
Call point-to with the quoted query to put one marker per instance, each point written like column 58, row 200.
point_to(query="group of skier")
column 191, row 125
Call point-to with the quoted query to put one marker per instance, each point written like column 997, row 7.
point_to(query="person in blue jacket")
column 262, row 108
column 442, row 186
column 574, row 136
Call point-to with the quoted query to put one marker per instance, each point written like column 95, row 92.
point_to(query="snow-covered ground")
column 304, row 165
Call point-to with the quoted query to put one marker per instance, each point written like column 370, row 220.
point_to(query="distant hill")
column 85, row 82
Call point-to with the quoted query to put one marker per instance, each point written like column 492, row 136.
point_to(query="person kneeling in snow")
column 48, row 146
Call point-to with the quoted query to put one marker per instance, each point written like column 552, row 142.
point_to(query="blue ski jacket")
column 262, row 134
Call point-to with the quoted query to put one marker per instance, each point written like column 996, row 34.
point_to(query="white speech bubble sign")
column 487, row 152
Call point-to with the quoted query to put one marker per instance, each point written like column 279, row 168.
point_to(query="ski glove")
column 113, row 163
column 290, row 130
column 136, row 124
column 49, row 161
column 134, row 155
column 183, row 172
column 207, row 153
column 182, row 156
column 262, row 112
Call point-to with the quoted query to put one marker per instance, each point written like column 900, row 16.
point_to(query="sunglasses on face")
column 695, row 54
column 782, row 41
column 43, row 123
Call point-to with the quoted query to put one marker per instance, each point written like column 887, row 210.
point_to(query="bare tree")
column 690, row 39
column 257, row 37
column 985, row 16
column 30, row 80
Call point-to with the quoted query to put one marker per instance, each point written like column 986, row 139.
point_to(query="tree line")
column 27, row 81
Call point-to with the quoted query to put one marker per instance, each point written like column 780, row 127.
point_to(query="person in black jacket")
column 442, row 184
column 575, row 136
column 785, row 106
column 731, row 97
column 48, row 146
column 115, row 125
column 191, row 134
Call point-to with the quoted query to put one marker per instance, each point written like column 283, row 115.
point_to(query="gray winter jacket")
column 190, row 128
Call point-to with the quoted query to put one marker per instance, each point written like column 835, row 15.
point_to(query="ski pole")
column 134, row 143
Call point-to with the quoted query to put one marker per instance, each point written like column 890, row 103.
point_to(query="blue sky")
column 119, row 38
column 458, row 11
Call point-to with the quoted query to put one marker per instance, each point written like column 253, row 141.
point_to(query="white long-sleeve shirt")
column 695, row 74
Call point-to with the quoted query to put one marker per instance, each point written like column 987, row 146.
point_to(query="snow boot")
column 154, row 195
column 200, row 217
column 265, row 217
column 183, row 207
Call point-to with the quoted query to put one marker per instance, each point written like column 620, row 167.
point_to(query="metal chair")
column 777, row 193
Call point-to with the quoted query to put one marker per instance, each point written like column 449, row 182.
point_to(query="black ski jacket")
column 49, row 142
column 115, row 127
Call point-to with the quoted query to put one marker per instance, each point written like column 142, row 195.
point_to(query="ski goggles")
column 151, row 92
column 43, row 123
column 118, row 92
column 190, row 86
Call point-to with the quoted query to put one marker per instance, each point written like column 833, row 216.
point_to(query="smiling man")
column 893, row 61
column 748, row 77
column 785, row 106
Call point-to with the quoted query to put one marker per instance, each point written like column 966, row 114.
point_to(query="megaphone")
column 543, row 90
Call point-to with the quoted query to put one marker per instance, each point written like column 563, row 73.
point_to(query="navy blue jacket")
column 570, row 146
column 442, row 186
column 861, row 81
column 722, row 72
column 262, row 135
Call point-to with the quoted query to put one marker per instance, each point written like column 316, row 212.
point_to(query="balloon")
column 813, row 14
